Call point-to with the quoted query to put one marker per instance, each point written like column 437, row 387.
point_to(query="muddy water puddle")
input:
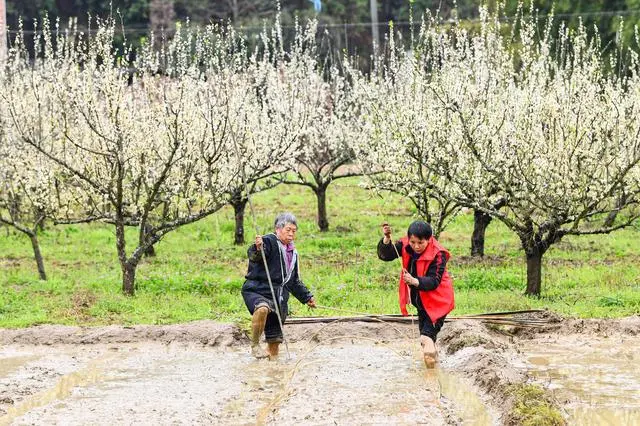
column 61, row 389
column 12, row 363
column 599, row 379
column 471, row 410
column 152, row 383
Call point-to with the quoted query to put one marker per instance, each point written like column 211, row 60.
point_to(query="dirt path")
column 201, row 373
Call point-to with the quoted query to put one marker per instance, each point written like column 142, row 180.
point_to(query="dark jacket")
column 257, row 277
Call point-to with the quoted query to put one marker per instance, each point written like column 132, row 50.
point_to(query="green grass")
column 198, row 271
column 533, row 407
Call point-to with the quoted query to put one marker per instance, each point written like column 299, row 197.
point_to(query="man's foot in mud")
column 258, row 352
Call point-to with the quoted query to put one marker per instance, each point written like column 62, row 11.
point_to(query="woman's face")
column 418, row 244
column 287, row 233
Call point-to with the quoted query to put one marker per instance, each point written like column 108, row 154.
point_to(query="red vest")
column 438, row 302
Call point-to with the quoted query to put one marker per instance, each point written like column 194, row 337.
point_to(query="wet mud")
column 340, row 373
column 336, row 374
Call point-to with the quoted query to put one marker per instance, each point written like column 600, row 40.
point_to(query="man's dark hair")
column 420, row 229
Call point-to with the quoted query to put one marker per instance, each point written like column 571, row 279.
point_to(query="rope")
column 415, row 333
column 347, row 311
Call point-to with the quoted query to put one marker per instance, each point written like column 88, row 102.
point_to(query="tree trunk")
column 128, row 269
column 239, row 205
column 480, row 223
column 321, row 195
column 611, row 218
column 161, row 18
column 41, row 215
column 534, row 271
column 38, row 256
column 150, row 251
column 128, row 279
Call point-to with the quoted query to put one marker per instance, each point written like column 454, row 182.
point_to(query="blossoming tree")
column 138, row 148
column 544, row 132
column 265, row 94
column 403, row 126
column 28, row 193
column 326, row 153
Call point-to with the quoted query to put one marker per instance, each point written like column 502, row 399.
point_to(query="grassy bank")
column 198, row 273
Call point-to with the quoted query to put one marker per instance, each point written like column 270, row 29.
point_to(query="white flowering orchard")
column 325, row 152
column 135, row 142
column 530, row 131
column 268, row 107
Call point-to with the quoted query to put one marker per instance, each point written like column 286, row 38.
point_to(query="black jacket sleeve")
column 297, row 287
column 254, row 255
column 434, row 274
column 386, row 252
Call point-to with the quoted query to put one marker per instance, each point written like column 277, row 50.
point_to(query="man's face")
column 287, row 233
column 418, row 244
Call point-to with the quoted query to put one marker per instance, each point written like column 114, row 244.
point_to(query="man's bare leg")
column 428, row 351
column 273, row 348
column 258, row 322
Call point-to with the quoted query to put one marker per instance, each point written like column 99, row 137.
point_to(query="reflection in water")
column 62, row 389
column 598, row 379
column 471, row 409
column 347, row 381
column 11, row 364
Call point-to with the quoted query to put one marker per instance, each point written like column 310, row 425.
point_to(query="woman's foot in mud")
column 429, row 351
column 258, row 352
column 429, row 362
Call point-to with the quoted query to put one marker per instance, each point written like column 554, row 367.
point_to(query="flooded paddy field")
column 356, row 373
column 597, row 380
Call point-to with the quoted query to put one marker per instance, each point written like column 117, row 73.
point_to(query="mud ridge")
column 487, row 355
column 485, row 358
column 629, row 326
column 207, row 333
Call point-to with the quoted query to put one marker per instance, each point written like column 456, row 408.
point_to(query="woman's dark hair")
column 420, row 229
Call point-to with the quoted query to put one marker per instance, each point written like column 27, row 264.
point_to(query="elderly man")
column 284, row 271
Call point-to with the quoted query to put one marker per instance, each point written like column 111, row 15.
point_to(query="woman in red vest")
column 424, row 281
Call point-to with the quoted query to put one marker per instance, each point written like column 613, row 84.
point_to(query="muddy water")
column 153, row 383
column 356, row 384
column 599, row 379
column 469, row 407
column 12, row 363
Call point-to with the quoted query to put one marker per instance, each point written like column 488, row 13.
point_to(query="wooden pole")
column 3, row 30
column 375, row 33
